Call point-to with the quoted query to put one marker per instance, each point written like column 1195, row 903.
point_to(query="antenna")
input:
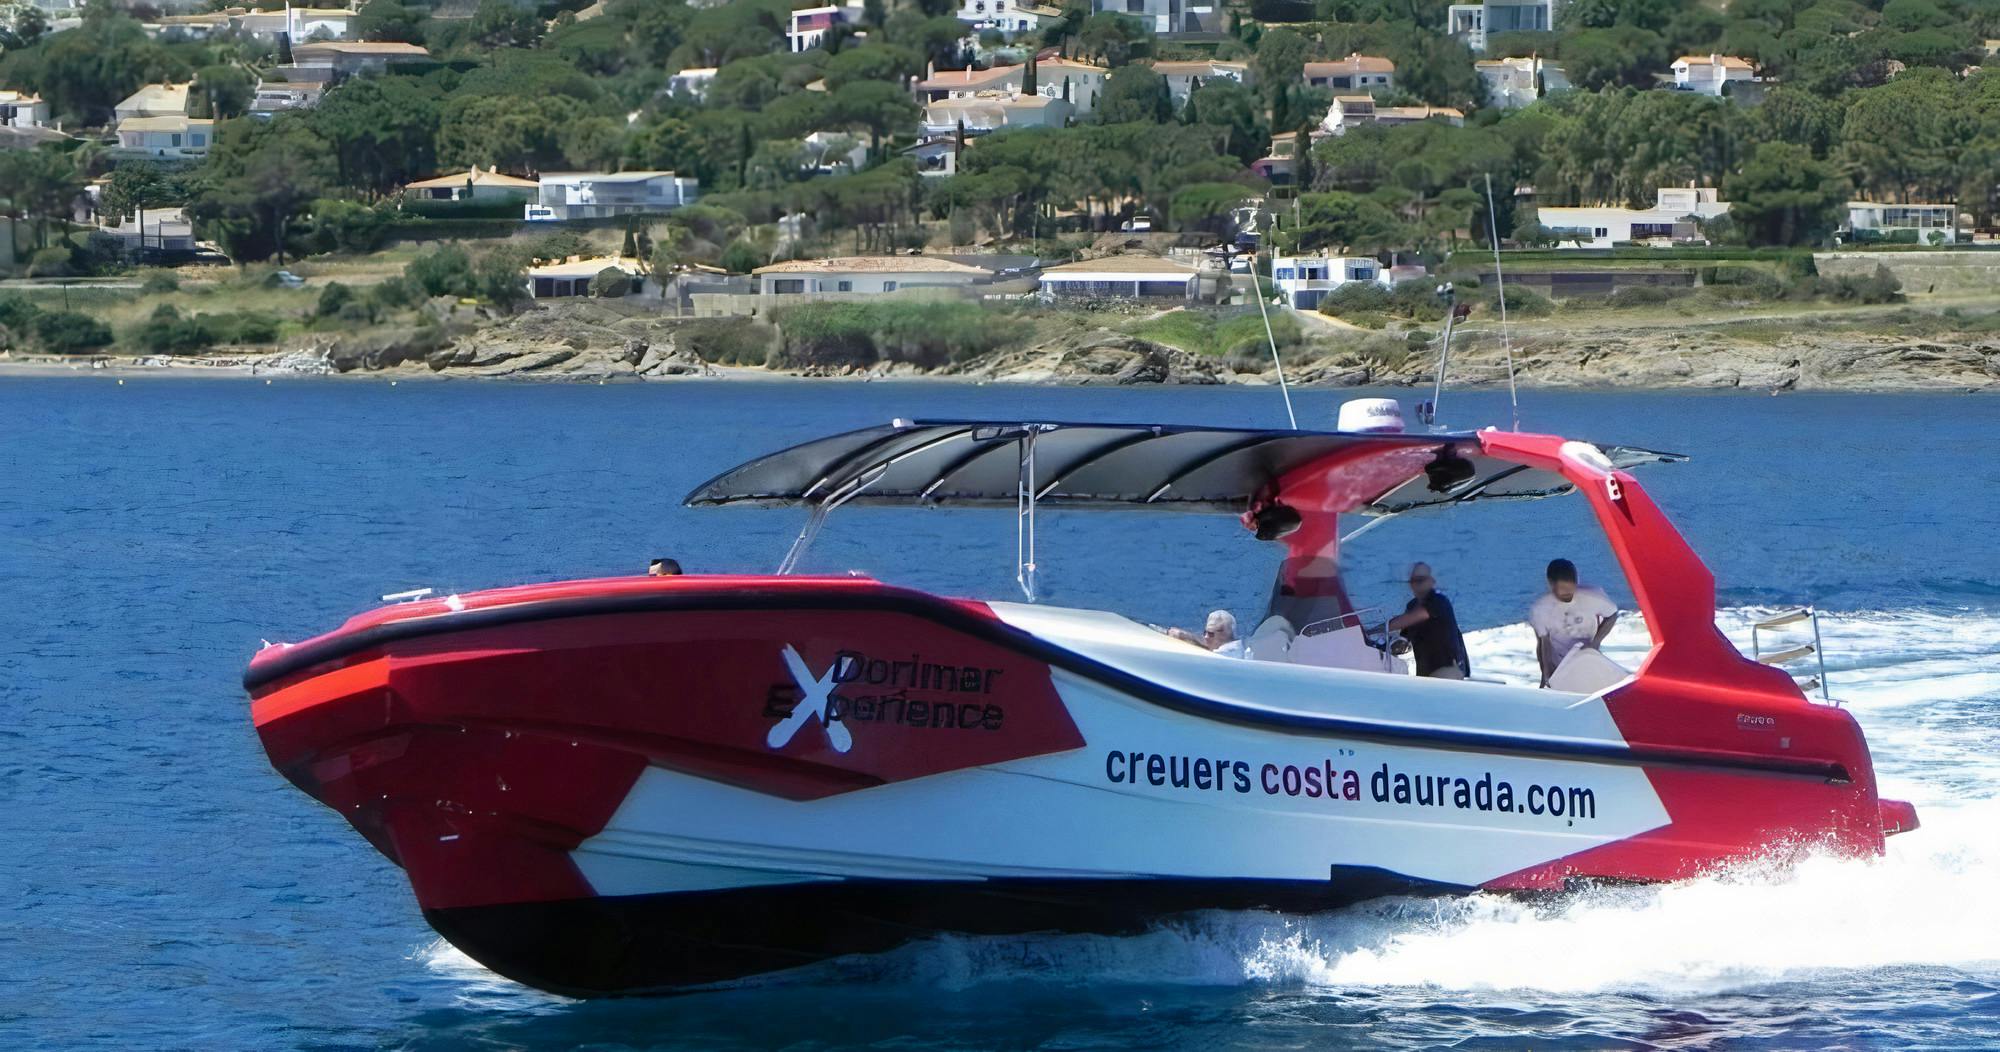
column 1500, row 283
column 1257, row 292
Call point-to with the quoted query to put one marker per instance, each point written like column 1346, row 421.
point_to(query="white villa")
column 1055, row 78
column 573, row 277
column 593, row 195
column 1874, row 220
column 155, row 230
column 334, row 59
column 1183, row 77
column 475, row 185
column 154, row 100
column 862, row 274
column 1710, row 74
column 1007, row 16
column 166, row 138
column 21, row 110
column 1356, row 72
column 1305, row 280
column 692, row 82
column 1673, row 218
column 1474, row 23
column 1166, row 17
column 1349, row 111
column 809, row 25
column 1515, row 82
column 1121, row 277
column 993, row 110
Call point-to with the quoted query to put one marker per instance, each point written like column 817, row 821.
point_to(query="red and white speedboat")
column 643, row 784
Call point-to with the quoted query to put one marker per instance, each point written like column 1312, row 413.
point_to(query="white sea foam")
column 1926, row 688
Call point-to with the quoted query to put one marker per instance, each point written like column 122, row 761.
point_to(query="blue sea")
column 162, row 887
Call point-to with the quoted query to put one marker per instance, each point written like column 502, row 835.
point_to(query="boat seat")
column 1271, row 642
column 1585, row 670
column 1342, row 648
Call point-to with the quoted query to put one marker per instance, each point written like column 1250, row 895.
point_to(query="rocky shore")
column 586, row 342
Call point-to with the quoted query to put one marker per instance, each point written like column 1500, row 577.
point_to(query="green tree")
column 1229, row 106
column 388, row 20
column 1114, row 39
column 1785, row 196
column 1134, row 93
column 383, row 130
column 882, row 108
column 260, row 177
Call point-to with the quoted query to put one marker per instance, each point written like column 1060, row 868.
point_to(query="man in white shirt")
column 1569, row 616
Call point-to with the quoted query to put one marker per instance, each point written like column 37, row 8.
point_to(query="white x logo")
column 817, row 692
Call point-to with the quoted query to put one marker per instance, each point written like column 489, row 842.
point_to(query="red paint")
column 479, row 758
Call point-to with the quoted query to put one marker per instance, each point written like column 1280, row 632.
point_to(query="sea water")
column 162, row 887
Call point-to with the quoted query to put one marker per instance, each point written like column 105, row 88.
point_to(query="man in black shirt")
column 1431, row 626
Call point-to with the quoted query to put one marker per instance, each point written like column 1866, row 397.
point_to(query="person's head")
column 1562, row 579
column 1421, row 581
column 1220, row 629
column 663, row 568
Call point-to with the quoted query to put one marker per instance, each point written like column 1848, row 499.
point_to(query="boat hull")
column 639, row 785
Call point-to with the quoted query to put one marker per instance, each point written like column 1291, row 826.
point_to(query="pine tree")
column 1028, row 76
column 1302, row 159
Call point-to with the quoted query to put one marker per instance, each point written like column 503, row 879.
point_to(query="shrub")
column 17, row 312
column 610, row 283
column 50, row 262
column 729, row 341
column 67, row 332
column 393, row 293
column 560, row 245
column 332, row 298
column 160, row 282
column 741, row 257
column 347, row 226
column 443, row 271
column 167, row 332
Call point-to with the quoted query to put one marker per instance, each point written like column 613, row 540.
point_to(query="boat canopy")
column 981, row 463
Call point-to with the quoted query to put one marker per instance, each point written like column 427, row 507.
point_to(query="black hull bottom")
column 659, row 943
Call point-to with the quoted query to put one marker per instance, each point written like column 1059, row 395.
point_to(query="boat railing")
column 1786, row 654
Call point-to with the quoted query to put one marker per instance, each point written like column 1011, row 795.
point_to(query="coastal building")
column 957, row 83
column 836, row 152
column 810, row 25
column 1279, row 166
column 1167, row 17
column 595, row 195
column 862, row 275
column 1305, row 280
column 300, row 24
column 335, row 60
column 154, row 100
column 993, row 110
column 22, row 110
column 692, row 83
column 277, row 96
column 1711, row 74
column 1515, row 82
column 477, row 184
column 1355, row 73
column 1119, row 277
column 935, row 155
column 152, row 234
column 165, row 138
column 1349, row 111
column 1007, row 16
column 1061, row 79
column 1674, row 218
column 572, row 277
column 1922, row 223
column 1184, row 77
column 1476, row 23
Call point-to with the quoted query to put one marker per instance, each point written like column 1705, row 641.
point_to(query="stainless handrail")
column 1779, row 657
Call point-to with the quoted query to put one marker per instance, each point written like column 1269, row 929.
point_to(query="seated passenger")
column 1431, row 626
column 1218, row 635
column 1569, row 616
column 663, row 567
